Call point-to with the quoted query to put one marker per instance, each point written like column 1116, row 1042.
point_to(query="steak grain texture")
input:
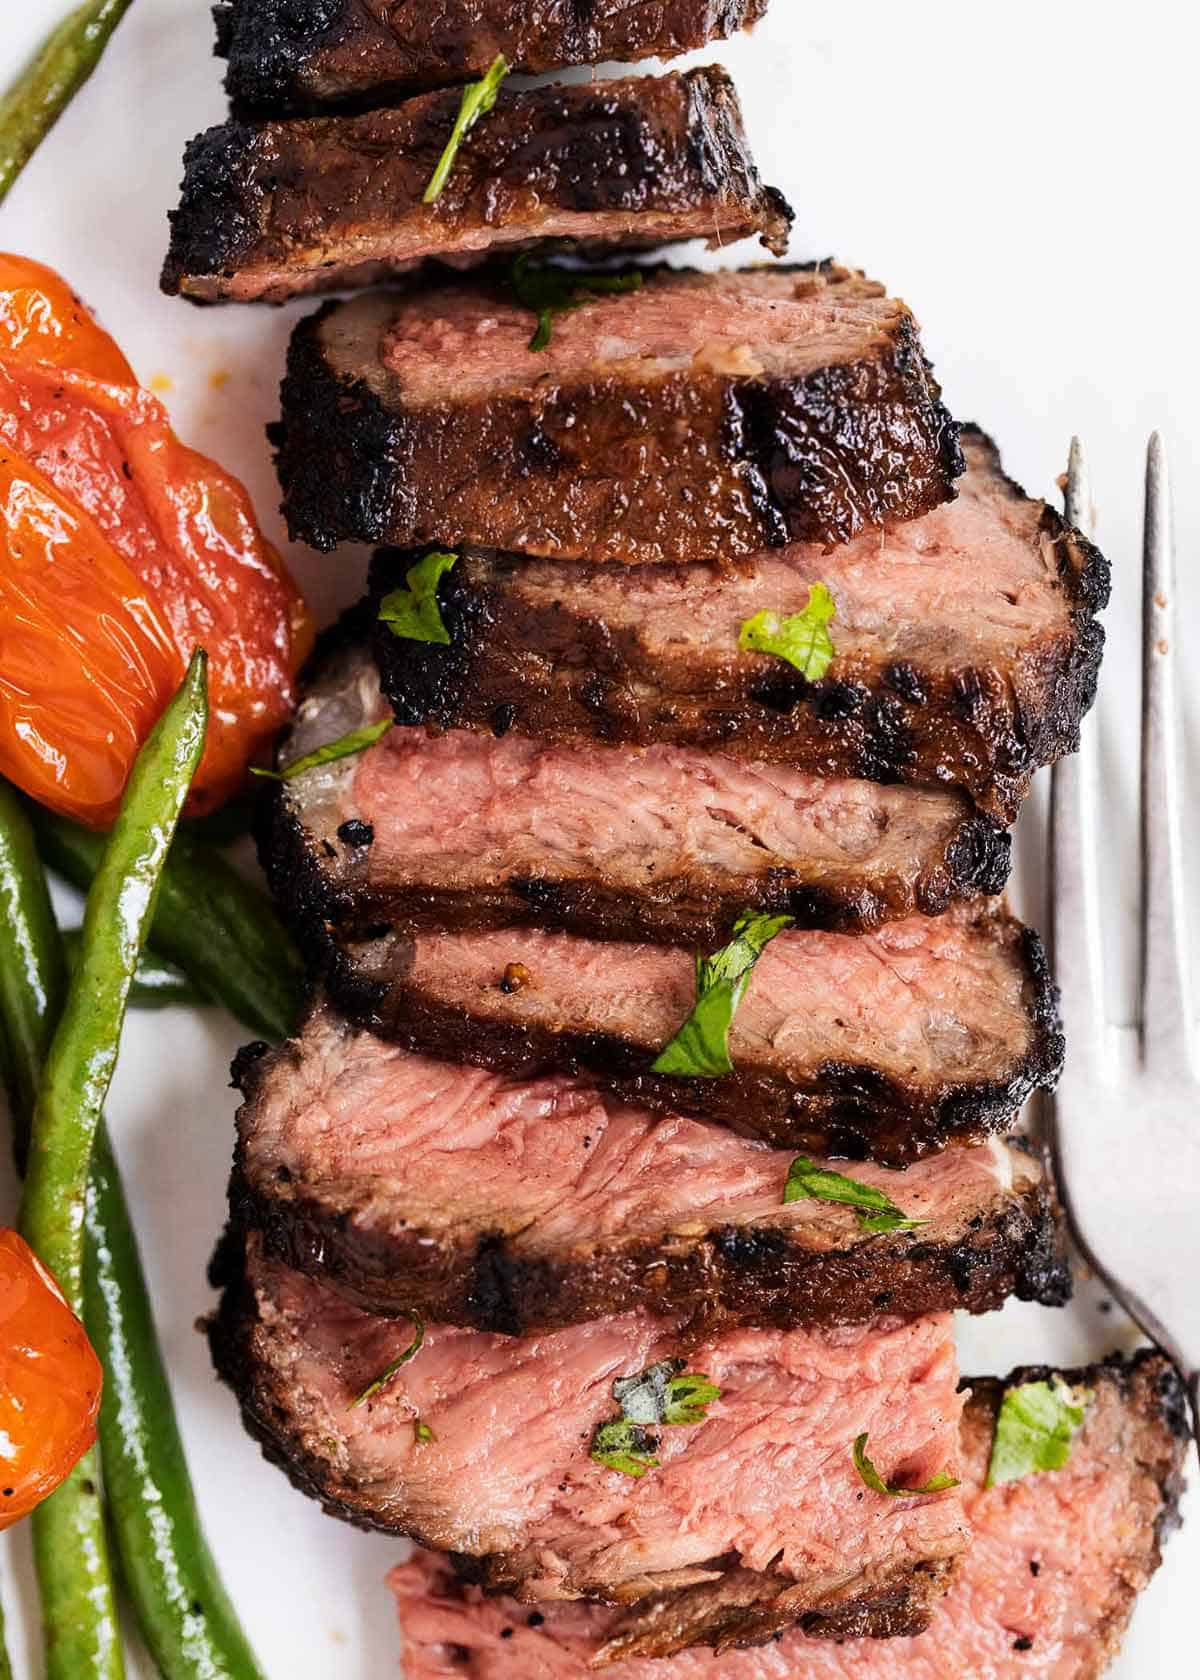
column 496, row 1204
column 271, row 210
column 885, row 1045
column 754, row 1520
column 467, row 830
column 1044, row 1592
column 966, row 643
column 296, row 55
column 703, row 417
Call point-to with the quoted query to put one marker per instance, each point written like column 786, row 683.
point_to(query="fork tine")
column 1166, row 985
column 1075, row 889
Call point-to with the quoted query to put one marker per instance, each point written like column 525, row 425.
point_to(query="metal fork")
column 1126, row 1128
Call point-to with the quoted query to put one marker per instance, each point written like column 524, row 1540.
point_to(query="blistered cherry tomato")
column 41, row 320
column 50, row 1382
column 85, row 657
column 194, row 557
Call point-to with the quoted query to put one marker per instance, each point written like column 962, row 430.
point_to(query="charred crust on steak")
column 751, row 1275
column 985, row 729
column 300, row 56
column 320, row 904
column 269, row 42
column 849, row 1109
column 275, row 209
column 765, row 433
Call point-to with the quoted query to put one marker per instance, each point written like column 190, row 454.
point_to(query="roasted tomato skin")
column 186, row 534
column 84, row 655
column 41, row 320
column 50, row 1387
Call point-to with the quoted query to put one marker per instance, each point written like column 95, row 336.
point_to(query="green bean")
column 83, row 1053
column 70, row 1554
column 157, row 983
column 6, row 1672
column 216, row 927
column 69, row 1546
column 47, row 85
column 33, row 975
column 165, row 1560
column 184, row 1612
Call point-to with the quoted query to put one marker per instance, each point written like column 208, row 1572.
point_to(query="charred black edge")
column 268, row 44
column 230, row 1331
column 1086, row 579
column 769, row 426
column 847, row 1109
column 213, row 224
column 337, row 445
column 334, row 448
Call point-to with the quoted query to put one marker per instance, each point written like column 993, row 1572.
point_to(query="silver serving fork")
column 1126, row 1129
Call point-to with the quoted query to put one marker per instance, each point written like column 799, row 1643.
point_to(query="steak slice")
column 756, row 1518
column 666, row 843
column 888, row 1044
column 703, row 417
column 296, row 55
column 966, row 648
column 482, row 1201
column 272, row 210
column 1045, row 1592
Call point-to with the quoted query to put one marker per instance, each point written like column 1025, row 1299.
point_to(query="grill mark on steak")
column 535, row 1516
column 1046, row 1591
column 626, row 440
column 495, row 1205
column 273, row 210
column 301, row 55
column 885, row 1046
column 467, row 830
column 967, row 649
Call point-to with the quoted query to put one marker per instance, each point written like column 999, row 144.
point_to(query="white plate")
column 1025, row 177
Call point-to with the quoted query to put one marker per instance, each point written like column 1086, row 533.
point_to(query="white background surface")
column 1025, row 175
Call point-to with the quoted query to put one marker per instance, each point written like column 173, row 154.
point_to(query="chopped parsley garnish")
column 549, row 290
column 624, row 1446
column 385, row 1376
column 412, row 611
column 1035, row 1429
column 802, row 639
column 344, row 747
column 665, row 1393
column 700, row 1049
column 876, row 1212
column 941, row 1483
column 477, row 100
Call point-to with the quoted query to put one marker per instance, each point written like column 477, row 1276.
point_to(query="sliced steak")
column 668, row 843
column 966, row 648
column 296, row 55
column 482, row 1201
column 1045, row 1592
column 888, row 1044
column 754, row 1520
column 703, row 417
column 272, row 210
